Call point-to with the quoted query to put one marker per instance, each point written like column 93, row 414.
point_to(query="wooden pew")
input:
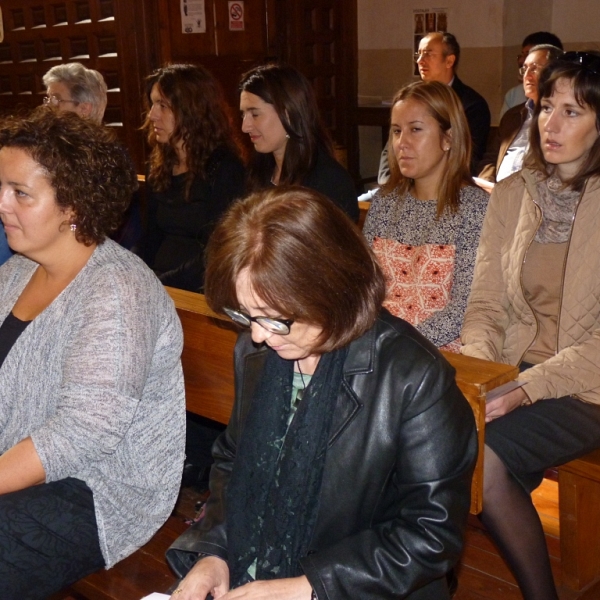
column 208, row 367
column 579, row 521
column 208, row 370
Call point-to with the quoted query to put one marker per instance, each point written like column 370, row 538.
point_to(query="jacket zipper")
column 562, row 289
column 563, row 274
column 537, row 323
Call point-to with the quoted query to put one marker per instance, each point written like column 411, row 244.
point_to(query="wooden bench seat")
column 208, row 367
column 579, row 515
column 208, row 370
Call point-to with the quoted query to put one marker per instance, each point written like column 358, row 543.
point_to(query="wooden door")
column 321, row 40
column 225, row 52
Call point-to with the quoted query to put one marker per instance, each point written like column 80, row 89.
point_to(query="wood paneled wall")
column 126, row 39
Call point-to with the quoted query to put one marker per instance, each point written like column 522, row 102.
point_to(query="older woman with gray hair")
column 73, row 87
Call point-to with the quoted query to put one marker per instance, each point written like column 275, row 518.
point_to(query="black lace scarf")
column 273, row 494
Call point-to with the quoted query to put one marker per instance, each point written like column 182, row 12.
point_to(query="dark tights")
column 512, row 520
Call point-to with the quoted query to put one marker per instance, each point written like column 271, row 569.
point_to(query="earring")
column 73, row 227
column 446, row 149
column 287, row 135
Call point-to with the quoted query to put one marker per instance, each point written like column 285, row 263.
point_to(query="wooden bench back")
column 208, row 370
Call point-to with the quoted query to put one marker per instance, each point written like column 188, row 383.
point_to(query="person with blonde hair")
column 424, row 223
column 75, row 88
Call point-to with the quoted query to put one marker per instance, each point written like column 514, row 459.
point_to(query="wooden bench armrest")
column 475, row 378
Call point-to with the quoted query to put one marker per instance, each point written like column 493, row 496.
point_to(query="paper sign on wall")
column 427, row 20
column 193, row 16
column 236, row 15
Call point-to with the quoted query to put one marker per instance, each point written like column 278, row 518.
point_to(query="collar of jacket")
column 360, row 360
column 592, row 184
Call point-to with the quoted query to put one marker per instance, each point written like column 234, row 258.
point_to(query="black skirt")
column 548, row 433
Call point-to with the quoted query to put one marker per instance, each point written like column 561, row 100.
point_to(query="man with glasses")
column 515, row 96
column 437, row 60
column 513, row 131
column 73, row 87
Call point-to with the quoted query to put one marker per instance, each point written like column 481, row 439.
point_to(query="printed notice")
column 193, row 16
column 236, row 16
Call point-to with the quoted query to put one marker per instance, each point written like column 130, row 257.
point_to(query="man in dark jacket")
column 437, row 60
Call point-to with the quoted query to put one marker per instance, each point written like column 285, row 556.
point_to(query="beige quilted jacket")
column 499, row 324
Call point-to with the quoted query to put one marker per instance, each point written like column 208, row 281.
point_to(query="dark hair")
column 202, row 122
column 305, row 258
column 542, row 37
column 293, row 98
column 91, row 173
column 444, row 106
column 585, row 78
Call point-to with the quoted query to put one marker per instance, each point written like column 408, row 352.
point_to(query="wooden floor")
column 482, row 574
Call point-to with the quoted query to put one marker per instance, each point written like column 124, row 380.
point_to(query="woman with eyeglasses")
column 534, row 303
column 72, row 87
column 345, row 469
column 292, row 146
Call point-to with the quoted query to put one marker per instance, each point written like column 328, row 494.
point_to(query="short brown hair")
column 444, row 106
column 91, row 173
column 306, row 259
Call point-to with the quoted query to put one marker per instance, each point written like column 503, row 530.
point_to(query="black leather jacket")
column 396, row 486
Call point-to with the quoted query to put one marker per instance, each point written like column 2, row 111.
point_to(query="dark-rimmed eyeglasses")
column 278, row 326
column 587, row 60
column 56, row 101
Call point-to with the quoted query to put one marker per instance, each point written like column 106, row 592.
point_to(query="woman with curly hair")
column 281, row 116
column 91, row 391
column 195, row 171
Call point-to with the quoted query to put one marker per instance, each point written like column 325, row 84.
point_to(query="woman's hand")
column 20, row 467
column 210, row 575
column 504, row 404
column 295, row 588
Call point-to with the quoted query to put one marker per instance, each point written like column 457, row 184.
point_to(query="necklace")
column 300, row 393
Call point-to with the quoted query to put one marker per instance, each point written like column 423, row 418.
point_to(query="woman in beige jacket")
column 535, row 303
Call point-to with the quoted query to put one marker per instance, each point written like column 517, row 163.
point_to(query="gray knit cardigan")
column 96, row 381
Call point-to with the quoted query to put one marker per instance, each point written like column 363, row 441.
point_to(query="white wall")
column 577, row 22
column 489, row 32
